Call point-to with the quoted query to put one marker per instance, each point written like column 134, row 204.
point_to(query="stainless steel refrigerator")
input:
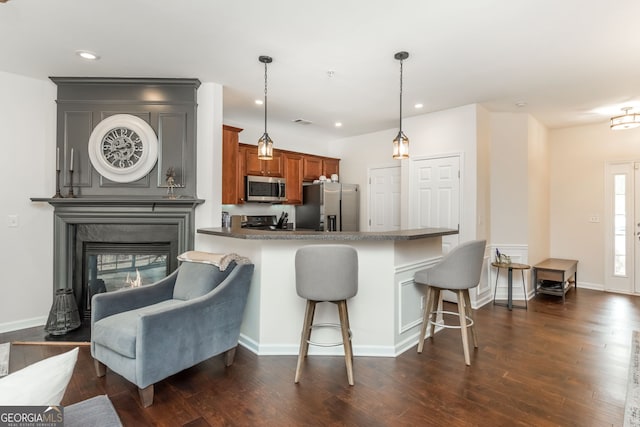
column 329, row 206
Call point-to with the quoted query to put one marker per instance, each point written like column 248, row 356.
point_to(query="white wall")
column 483, row 150
column 28, row 123
column 452, row 131
column 538, row 192
column 357, row 155
column 576, row 170
column 509, row 178
column 209, row 157
column 444, row 132
column 285, row 136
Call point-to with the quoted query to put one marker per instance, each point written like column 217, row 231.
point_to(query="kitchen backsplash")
column 261, row 209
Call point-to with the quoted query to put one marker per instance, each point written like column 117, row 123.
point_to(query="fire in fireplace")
column 110, row 267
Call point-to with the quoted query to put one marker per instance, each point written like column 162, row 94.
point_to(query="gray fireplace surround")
column 113, row 220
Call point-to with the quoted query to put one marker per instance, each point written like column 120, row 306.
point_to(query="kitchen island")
column 386, row 313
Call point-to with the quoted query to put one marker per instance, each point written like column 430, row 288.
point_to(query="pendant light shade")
column 401, row 142
column 626, row 121
column 265, row 144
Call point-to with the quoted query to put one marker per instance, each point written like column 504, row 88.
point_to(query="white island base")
column 385, row 315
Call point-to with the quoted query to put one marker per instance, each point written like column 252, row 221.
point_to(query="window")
column 620, row 225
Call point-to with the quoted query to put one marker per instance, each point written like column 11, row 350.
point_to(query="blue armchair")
column 148, row 333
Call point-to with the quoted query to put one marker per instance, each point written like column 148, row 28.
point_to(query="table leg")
column 524, row 290
column 495, row 289
column 510, row 290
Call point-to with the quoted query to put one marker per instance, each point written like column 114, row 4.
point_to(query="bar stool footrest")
column 327, row 325
column 450, row 313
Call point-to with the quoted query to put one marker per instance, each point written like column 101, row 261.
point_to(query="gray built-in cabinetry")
column 167, row 105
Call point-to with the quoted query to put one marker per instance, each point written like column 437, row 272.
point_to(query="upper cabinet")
column 232, row 185
column 239, row 160
column 255, row 166
column 312, row 167
column 330, row 167
column 293, row 175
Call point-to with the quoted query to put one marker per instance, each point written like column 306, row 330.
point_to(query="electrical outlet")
column 594, row 218
column 12, row 220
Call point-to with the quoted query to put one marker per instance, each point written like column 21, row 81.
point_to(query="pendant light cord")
column 265, row 97
column 401, row 96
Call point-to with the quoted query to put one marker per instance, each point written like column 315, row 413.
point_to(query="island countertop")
column 252, row 234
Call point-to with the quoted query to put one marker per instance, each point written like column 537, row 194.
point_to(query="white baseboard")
column 358, row 350
column 22, row 324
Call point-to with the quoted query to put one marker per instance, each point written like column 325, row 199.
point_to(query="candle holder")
column 71, row 195
column 58, row 195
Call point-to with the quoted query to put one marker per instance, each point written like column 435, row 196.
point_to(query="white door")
column 435, row 195
column 621, row 238
column 384, row 198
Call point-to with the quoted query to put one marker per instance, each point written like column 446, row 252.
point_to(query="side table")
column 510, row 267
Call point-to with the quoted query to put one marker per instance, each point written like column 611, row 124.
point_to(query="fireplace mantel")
column 150, row 201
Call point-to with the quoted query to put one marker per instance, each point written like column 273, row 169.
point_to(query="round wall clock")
column 123, row 148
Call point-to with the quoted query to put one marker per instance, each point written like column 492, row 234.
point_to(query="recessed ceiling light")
column 259, row 102
column 419, row 105
column 338, row 124
column 85, row 54
column 521, row 104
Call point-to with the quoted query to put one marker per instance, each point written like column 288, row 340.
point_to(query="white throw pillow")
column 40, row 384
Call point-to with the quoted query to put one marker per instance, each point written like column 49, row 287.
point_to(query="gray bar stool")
column 326, row 273
column 458, row 271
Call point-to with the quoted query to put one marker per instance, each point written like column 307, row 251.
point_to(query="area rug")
column 96, row 412
column 632, row 405
column 4, row 359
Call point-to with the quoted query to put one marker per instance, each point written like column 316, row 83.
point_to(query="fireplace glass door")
column 111, row 267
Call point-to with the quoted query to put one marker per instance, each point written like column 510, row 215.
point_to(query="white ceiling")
column 570, row 61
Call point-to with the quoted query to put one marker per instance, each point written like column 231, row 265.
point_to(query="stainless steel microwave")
column 265, row 189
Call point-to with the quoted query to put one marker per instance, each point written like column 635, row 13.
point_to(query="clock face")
column 123, row 148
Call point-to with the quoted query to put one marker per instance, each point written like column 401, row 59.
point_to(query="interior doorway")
column 384, row 198
column 435, row 195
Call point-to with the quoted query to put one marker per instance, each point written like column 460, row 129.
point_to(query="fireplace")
column 89, row 232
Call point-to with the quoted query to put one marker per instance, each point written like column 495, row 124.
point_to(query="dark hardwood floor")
column 552, row 365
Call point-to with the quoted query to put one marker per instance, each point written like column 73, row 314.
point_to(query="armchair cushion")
column 118, row 332
column 196, row 279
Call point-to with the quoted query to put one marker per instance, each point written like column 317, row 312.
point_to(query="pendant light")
column 626, row 121
column 401, row 142
column 265, row 144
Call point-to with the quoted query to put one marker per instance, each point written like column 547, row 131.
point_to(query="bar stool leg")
column 346, row 312
column 463, row 327
column 467, row 304
column 426, row 315
column 435, row 302
column 305, row 335
column 346, row 340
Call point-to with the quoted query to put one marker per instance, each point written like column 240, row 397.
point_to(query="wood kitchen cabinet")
column 330, row 167
column 254, row 166
column 239, row 160
column 312, row 167
column 315, row 166
column 293, row 175
column 232, row 175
